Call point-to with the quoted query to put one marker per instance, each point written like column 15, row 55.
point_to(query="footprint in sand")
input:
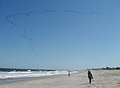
column 93, row 86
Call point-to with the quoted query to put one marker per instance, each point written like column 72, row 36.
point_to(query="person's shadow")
column 84, row 84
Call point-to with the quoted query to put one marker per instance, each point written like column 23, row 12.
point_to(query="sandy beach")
column 102, row 79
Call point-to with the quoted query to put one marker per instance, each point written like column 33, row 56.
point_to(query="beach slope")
column 102, row 79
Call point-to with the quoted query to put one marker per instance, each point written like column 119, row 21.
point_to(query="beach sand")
column 102, row 79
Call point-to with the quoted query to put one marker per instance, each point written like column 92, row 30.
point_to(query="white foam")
column 21, row 74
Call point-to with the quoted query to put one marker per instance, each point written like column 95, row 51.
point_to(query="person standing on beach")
column 90, row 77
column 69, row 74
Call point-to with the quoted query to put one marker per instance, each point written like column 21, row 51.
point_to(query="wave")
column 26, row 74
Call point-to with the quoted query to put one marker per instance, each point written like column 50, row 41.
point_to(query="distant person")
column 69, row 74
column 90, row 77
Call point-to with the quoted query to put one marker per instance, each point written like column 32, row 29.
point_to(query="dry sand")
column 102, row 79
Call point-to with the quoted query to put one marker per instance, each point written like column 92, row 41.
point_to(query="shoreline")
column 7, row 80
column 102, row 79
column 26, row 78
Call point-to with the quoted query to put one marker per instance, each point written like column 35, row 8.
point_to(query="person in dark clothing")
column 69, row 74
column 90, row 77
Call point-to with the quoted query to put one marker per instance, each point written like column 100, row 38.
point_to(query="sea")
column 11, row 74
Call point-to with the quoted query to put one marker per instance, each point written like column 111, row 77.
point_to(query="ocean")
column 7, row 75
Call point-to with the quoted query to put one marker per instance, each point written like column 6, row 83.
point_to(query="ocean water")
column 6, row 76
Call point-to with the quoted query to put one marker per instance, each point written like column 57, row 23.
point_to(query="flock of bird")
column 23, row 32
column 25, row 35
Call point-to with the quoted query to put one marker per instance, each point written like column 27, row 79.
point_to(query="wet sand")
column 102, row 79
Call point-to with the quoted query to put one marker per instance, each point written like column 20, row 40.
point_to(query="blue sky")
column 59, row 34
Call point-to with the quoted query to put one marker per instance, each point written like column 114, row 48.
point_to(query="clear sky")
column 59, row 34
